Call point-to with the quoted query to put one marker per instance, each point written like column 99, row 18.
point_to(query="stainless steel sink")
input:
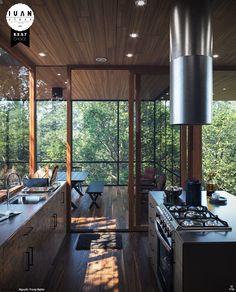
column 26, row 199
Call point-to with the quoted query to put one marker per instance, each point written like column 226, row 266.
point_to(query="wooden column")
column 191, row 153
column 138, row 148
column 32, row 121
column 69, row 148
column 131, row 152
column 183, row 155
column 195, row 152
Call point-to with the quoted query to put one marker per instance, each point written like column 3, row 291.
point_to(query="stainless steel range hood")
column 190, row 63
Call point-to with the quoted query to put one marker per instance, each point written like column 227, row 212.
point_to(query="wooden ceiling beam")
column 136, row 69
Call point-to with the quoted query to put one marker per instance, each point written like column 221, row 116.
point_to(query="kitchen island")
column 194, row 260
column 30, row 241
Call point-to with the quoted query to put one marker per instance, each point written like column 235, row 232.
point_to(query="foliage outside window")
column 14, row 131
column 219, row 146
column 51, row 133
column 167, row 144
column 100, row 140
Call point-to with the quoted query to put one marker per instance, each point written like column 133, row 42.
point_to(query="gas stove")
column 190, row 218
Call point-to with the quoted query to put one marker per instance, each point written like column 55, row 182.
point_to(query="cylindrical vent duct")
column 190, row 63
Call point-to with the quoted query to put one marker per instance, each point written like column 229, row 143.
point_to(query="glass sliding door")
column 100, row 146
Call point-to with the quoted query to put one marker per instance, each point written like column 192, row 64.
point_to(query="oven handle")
column 166, row 245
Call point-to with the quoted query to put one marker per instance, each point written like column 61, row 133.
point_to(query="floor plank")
column 125, row 270
column 111, row 214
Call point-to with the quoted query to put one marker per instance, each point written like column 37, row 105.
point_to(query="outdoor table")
column 77, row 178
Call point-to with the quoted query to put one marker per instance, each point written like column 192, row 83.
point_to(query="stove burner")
column 212, row 222
column 196, row 208
column 197, row 218
column 195, row 214
column 187, row 223
column 176, row 208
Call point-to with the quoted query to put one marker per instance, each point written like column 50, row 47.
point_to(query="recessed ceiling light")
column 140, row 2
column 133, row 35
column 42, row 54
column 101, row 59
column 129, row 55
column 224, row 89
column 58, row 74
column 216, row 56
column 66, row 82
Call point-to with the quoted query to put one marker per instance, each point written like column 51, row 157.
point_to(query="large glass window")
column 100, row 139
column 51, row 116
column 219, row 146
column 51, row 133
column 167, row 140
column 14, row 130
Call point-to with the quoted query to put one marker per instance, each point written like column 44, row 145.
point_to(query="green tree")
column 219, row 146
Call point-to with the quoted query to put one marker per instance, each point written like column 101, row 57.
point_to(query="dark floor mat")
column 87, row 241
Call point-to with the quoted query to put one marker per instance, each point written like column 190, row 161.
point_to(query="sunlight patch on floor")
column 94, row 222
column 102, row 270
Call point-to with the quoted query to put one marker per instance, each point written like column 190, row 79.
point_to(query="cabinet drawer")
column 18, row 259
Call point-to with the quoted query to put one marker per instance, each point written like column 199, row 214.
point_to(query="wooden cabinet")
column 29, row 254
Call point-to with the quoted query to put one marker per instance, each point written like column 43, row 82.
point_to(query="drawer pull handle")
column 151, row 205
column 152, row 234
column 54, row 221
column 151, row 219
column 63, row 198
column 31, row 257
column 27, row 261
column 30, row 229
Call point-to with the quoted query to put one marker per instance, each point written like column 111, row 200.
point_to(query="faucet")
column 8, row 184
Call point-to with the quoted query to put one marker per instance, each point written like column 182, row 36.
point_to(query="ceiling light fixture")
column 216, row 56
column 101, row 60
column 224, row 89
column 58, row 74
column 66, row 82
column 129, row 55
column 140, row 2
column 133, row 35
column 42, row 54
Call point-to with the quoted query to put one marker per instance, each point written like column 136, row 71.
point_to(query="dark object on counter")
column 172, row 194
column 218, row 201
column 35, row 182
column 193, row 193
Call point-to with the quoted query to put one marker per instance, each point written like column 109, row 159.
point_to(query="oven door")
column 164, row 259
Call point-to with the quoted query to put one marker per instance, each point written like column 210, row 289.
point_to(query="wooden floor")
column 112, row 213
column 126, row 270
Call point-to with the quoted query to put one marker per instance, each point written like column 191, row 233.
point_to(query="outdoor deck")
column 111, row 214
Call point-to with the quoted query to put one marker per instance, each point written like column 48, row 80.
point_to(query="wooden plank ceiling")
column 113, row 84
column 78, row 31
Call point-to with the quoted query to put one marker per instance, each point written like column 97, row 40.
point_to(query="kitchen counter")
column 10, row 226
column 225, row 212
